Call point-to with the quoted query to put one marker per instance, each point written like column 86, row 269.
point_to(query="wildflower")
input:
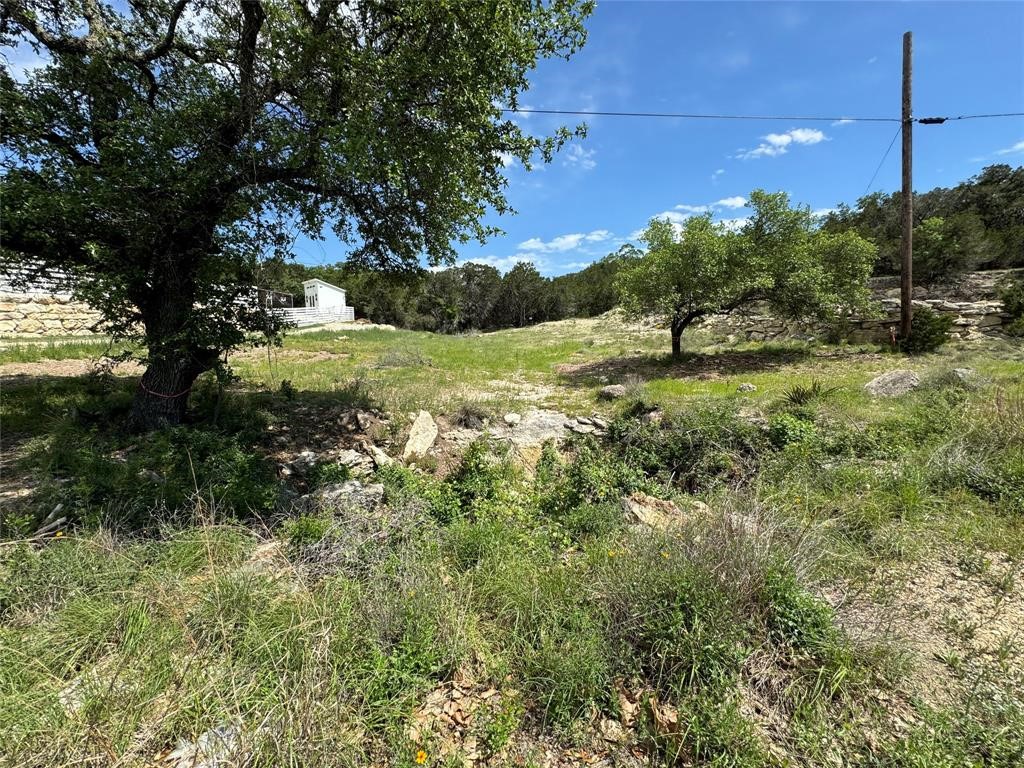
column 611, row 553
column 797, row 499
column 58, row 534
column 421, row 757
column 664, row 554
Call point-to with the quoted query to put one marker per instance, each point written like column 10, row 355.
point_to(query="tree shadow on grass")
column 65, row 442
column 692, row 365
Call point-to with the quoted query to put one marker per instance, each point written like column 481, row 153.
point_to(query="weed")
column 804, row 394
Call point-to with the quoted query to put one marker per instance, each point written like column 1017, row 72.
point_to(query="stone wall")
column 35, row 314
column 971, row 300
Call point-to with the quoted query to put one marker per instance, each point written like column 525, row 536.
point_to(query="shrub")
column 695, row 450
column 1012, row 296
column 930, row 331
column 804, row 394
column 787, row 429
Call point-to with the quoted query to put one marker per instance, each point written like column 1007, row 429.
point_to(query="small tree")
column 777, row 257
column 166, row 146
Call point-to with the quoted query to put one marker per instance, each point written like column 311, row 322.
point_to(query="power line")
column 882, row 161
column 595, row 113
column 794, row 118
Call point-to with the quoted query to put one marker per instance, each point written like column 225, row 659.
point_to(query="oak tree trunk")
column 162, row 397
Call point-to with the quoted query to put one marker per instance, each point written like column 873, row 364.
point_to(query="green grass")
column 69, row 348
column 167, row 609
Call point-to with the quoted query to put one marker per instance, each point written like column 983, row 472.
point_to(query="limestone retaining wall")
column 34, row 314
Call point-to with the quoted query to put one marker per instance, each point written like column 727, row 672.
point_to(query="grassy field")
column 828, row 579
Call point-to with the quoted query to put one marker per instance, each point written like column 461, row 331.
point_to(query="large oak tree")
column 166, row 146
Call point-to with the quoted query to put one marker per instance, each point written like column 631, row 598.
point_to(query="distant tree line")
column 978, row 224
column 464, row 298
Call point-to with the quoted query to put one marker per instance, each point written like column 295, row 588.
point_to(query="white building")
column 324, row 303
column 323, row 296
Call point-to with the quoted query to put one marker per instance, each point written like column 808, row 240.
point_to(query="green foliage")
column 798, row 617
column 788, row 429
column 971, row 226
column 776, row 257
column 174, row 469
column 696, row 450
column 1012, row 296
column 929, row 331
column 805, row 394
column 160, row 182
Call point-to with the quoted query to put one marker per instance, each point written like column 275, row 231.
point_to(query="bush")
column 696, row 450
column 1012, row 296
column 787, row 429
column 930, row 331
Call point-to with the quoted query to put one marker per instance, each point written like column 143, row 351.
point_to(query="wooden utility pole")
column 907, row 199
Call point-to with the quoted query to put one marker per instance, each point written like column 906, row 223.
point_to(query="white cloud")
column 821, row 213
column 843, row 121
column 507, row 159
column 731, row 202
column 775, row 144
column 872, row 60
column 504, row 263
column 716, row 174
column 564, row 242
column 737, row 201
column 578, row 157
column 1018, row 147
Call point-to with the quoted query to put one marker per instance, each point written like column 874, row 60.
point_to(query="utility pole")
column 907, row 199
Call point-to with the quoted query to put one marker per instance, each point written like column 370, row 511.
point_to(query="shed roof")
column 318, row 281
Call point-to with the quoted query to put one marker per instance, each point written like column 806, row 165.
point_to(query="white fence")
column 315, row 316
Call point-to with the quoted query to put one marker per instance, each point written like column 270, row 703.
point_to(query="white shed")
column 323, row 296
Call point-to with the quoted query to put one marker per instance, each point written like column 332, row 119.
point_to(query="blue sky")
column 804, row 58
column 819, row 58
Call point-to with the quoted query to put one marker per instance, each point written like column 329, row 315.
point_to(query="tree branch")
column 158, row 50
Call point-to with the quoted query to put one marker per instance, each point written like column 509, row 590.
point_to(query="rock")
column 653, row 512
column 598, row 422
column 612, row 392
column 150, row 476
column 965, row 375
column 351, row 493
column 537, row 427
column 358, row 462
column 304, row 462
column 746, row 387
column 653, row 417
column 893, row 384
column 380, row 459
column 421, row 436
column 512, row 419
column 582, row 429
column 215, row 748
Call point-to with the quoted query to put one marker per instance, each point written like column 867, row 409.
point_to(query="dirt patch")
column 26, row 373
column 961, row 620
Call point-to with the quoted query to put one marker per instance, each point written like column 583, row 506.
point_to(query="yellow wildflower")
column 665, row 555
column 58, row 534
column 611, row 553
column 421, row 757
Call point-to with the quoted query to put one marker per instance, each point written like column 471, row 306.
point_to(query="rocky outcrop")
column 972, row 300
